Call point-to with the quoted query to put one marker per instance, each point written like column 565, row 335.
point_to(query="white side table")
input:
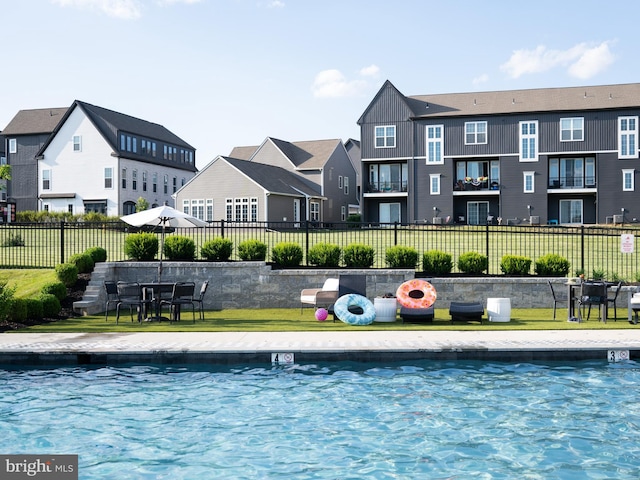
column 386, row 309
column 499, row 309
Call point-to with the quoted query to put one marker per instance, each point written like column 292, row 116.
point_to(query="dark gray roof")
column 601, row 97
column 34, row 122
column 273, row 179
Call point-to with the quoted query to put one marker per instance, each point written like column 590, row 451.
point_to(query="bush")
column 357, row 255
column 436, row 262
column 141, row 246
column 324, row 255
column 552, row 265
column 83, row 261
column 50, row 305
column 18, row 310
column 98, row 254
column 252, row 250
column 55, row 288
column 13, row 241
column 35, row 310
column 6, row 299
column 473, row 262
column 400, row 256
column 217, row 250
column 179, row 247
column 67, row 273
column 287, row 254
column 515, row 265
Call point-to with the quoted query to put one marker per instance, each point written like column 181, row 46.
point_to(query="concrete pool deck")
column 259, row 347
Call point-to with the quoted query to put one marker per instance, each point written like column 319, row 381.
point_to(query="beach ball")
column 321, row 314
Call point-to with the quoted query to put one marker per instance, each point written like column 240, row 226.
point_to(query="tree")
column 142, row 204
column 5, row 172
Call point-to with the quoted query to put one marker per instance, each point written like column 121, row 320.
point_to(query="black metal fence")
column 606, row 249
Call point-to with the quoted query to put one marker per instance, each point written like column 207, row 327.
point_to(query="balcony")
column 572, row 182
column 386, row 187
column 476, row 184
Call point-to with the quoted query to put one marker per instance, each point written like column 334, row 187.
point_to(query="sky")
column 227, row 73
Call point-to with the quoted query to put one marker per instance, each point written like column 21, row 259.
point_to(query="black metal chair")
column 182, row 295
column 129, row 295
column 111, row 290
column 613, row 300
column 350, row 284
column 200, row 298
column 592, row 293
column 556, row 298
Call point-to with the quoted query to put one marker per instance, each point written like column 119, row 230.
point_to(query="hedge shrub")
column 515, row 265
column 324, row 255
column 252, row 251
column 83, row 261
column 357, row 255
column 400, row 256
column 437, row 262
column 35, row 310
column 18, row 310
column 287, row 254
column 98, row 254
column 6, row 298
column 217, row 250
column 179, row 247
column 141, row 246
column 67, row 273
column 50, row 305
column 552, row 265
column 56, row 288
column 473, row 262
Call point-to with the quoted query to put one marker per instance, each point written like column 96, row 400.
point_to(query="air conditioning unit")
column 617, row 218
column 437, row 220
column 534, row 220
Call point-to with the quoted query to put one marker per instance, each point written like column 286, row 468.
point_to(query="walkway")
column 254, row 347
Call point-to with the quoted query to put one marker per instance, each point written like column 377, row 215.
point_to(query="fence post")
column 306, row 242
column 395, row 233
column 582, row 249
column 222, row 228
column 486, row 240
column 61, row 241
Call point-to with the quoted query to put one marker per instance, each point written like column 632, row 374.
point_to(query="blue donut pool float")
column 341, row 309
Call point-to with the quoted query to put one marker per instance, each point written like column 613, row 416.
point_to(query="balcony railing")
column 567, row 182
column 386, row 187
column 476, row 184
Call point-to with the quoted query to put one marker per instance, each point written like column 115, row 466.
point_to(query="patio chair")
column 200, row 298
column 319, row 297
column 111, row 290
column 182, row 295
column 556, row 298
column 351, row 284
column 129, row 295
column 613, row 300
column 592, row 293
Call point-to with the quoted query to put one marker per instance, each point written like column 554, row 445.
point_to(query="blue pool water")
column 344, row 421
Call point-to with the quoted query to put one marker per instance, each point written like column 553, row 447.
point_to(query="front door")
column 389, row 212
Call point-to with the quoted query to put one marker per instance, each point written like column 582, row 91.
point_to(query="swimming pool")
column 334, row 421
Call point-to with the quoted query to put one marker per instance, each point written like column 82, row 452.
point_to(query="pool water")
column 335, row 421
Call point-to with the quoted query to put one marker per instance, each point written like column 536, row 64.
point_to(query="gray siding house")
column 556, row 156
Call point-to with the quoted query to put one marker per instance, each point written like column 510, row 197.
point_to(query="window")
column 387, row 177
column 108, row 177
column 13, row 145
column 343, row 213
column 529, row 141
column 572, row 172
column 128, row 207
column 628, row 181
column 315, row 211
column 144, row 181
column 254, row 209
column 389, row 212
column 346, row 185
column 477, row 213
column 134, row 179
column 77, row 143
column 3, row 160
column 475, row 133
column 628, row 137
column 435, row 144
column 165, row 183
column 385, row 136
column 175, row 184
column 124, row 178
column 571, row 129
column 70, row 207
column 197, row 209
column 209, row 217
column 340, row 181
column 570, row 211
column 185, row 207
column 434, row 184
column 229, row 209
column 46, row 179
column 529, row 185
column 477, row 174
column 154, row 183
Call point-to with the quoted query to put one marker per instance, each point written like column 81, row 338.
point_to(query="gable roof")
column 273, row 179
column 110, row 124
column 601, row 97
column 243, row 153
column 34, row 122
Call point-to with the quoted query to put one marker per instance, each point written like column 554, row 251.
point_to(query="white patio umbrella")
column 163, row 216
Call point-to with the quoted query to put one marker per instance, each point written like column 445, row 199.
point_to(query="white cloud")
column 275, row 4
column 582, row 61
column 333, row 84
column 172, row 2
column 125, row 9
column 484, row 78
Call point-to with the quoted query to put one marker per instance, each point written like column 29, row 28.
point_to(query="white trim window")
column 475, row 133
column 628, row 137
column 628, row 180
column 315, row 211
column 209, row 216
column 185, row 206
column 134, row 179
column 124, row 178
column 385, row 136
column 434, row 183
column 229, row 209
column 254, row 209
column 571, row 129
column 529, row 141
column 77, row 143
column 108, row 177
column 529, row 185
column 346, row 185
column 46, row 179
column 343, row 213
column 435, row 144
column 13, row 145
